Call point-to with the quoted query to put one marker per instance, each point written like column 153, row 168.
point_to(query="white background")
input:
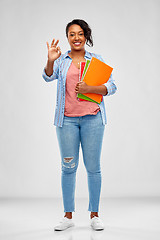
column 126, row 34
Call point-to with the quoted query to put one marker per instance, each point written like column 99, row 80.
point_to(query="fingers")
column 54, row 44
column 77, row 87
column 47, row 45
column 79, row 83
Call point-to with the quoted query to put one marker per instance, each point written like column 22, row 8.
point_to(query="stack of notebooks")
column 94, row 73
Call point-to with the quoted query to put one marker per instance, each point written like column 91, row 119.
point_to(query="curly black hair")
column 87, row 30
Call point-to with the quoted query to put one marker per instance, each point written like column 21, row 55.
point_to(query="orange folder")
column 97, row 74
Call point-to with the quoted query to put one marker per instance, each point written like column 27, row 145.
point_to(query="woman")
column 77, row 121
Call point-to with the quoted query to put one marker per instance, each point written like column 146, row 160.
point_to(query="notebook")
column 95, row 74
column 83, row 68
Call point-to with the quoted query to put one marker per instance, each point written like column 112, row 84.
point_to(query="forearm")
column 49, row 68
column 102, row 89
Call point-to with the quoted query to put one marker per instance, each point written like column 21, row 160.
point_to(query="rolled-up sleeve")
column 110, row 85
column 55, row 72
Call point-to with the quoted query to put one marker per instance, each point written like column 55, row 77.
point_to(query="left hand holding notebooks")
column 97, row 73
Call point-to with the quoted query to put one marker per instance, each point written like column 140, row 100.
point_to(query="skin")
column 75, row 34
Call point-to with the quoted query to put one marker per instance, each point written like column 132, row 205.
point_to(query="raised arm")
column 50, row 70
column 54, row 52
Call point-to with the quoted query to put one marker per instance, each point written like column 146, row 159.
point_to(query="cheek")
column 84, row 39
column 70, row 40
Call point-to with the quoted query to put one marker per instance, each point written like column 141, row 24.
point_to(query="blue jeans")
column 87, row 130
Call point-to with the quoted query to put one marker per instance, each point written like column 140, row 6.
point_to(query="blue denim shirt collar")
column 87, row 55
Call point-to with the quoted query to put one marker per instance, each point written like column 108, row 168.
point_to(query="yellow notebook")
column 97, row 74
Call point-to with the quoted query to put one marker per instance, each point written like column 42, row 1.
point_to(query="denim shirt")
column 60, row 69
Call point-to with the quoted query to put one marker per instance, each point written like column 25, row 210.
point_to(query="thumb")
column 59, row 51
column 59, row 54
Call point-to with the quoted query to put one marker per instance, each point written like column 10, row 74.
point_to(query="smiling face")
column 76, row 37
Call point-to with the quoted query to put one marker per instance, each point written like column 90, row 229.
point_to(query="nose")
column 76, row 36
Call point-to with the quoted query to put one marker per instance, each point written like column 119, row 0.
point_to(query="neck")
column 77, row 54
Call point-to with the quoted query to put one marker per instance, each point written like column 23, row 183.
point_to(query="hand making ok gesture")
column 54, row 52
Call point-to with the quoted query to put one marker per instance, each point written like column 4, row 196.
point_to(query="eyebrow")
column 74, row 32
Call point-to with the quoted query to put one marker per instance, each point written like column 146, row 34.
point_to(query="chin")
column 78, row 48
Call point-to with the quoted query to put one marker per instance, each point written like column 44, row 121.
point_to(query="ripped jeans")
column 87, row 130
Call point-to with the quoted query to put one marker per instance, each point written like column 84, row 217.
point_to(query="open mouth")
column 77, row 43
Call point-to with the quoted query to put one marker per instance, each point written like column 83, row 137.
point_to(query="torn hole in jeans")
column 68, row 159
column 69, row 166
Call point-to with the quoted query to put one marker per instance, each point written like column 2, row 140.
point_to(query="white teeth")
column 77, row 43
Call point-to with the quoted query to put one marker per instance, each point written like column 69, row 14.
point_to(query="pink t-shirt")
column 73, row 106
